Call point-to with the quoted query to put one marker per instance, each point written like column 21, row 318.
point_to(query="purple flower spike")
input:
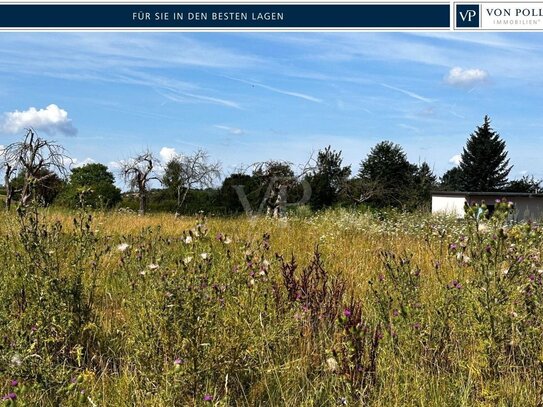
column 347, row 312
column 14, row 383
column 208, row 397
column 177, row 361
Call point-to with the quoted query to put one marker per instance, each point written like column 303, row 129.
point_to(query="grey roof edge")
column 497, row 194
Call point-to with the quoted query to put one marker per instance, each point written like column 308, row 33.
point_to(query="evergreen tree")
column 484, row 164
column 527, row 184
column 328, row 179
column 425, row 182
column 386, row 176
column 452, row 180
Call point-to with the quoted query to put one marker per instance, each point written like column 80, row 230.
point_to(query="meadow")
column 341, row 307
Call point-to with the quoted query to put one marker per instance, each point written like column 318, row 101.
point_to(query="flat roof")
column 497, row 194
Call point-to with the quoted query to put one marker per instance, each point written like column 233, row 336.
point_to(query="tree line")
column 36, row 170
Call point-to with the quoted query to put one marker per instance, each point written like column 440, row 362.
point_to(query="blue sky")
column 249, row 97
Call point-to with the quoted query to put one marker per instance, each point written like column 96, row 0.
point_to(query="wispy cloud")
column 409, row 93
column 186, row 97
column 277, row 90
column 231, row 130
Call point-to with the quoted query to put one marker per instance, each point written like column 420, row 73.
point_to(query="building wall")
column 453, row 205
column 526, row 208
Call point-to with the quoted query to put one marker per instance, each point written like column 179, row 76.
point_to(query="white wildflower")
column 227, row 240
column 333, row 366
column 188, row 240
column 483, row 227
column 122, row 247
column 153, row 266
column 187, row 260
column 204, row 256
column 16, row 360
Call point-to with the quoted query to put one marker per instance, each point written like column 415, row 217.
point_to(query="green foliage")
column 527, row 184
column 386, row 176
column 92, row 185
column 46, row 191
column 452, row 180
column 229, row 197
column 328, row 179
column 484, row 163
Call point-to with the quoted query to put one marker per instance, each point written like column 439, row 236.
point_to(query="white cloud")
column 456, row 159
column 466, row 77
column 232, row 130
column 167, row 153
column 114, row 165
column 52, row 120
column 77, row 163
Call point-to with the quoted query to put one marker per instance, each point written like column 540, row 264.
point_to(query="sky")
column 250, row 97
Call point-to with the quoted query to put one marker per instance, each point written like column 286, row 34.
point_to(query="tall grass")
column 338, row 308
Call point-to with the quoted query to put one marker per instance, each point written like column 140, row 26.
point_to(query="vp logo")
column 467, row 15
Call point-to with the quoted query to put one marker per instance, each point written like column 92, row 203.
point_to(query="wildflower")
column 332, row 364
column 153, row 266
column 14, row 383
column 16, row 360
column 395, row 313
column 122, row 247
column 204, row 256
column 453, row 246
column 188, row 240
column 227, row 240
column 483, row 227
column 219, row 237
column 347, row 312
column 416, row 326
column 208, row 397
column 187, row 260
column 9, row 396
column 178, row 361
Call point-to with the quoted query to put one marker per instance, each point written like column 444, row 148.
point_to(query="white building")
column 527, row 206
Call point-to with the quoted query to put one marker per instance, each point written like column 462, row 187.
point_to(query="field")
column 341, row 307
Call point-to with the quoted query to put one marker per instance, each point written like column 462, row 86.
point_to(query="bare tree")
column 38, row 159
column 138, row 172
column 10, row 169
column 186, row 172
